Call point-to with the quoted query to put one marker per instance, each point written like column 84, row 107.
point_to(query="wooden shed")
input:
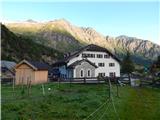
column 31, row 72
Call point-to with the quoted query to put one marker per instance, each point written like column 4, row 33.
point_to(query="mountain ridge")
column 64, row 36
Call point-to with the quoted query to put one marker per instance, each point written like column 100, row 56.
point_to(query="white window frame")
column 81, row 74
column 101, row 74
column 87, row 72
column 112, row 64
column 101, row 64
column 113, row 74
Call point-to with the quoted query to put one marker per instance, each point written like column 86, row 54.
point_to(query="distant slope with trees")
column 16, row 48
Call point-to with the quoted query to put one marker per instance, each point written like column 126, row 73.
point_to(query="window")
column 89, row 73
column 111, row 64
column 84, row 55
column 82, row 73
column 112, row 74
column 106, row 56
column 88, row 55
column 92, row 55
column 101, row 64
column 99, row 56
column 101, row 74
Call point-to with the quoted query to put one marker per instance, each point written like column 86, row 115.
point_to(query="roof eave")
column 24, row 61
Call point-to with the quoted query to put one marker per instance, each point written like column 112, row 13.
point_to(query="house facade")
column 31, row 72
column 89, row 61
column 81, row 68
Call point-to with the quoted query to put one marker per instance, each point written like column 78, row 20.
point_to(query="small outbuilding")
column 31, row 72
column 7, row 69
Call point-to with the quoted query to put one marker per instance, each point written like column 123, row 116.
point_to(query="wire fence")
column 21, row 92
column 11, row 93
column 110, row 100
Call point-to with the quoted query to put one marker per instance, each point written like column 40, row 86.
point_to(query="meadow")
column 79, row 102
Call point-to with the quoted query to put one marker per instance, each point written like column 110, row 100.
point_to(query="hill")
column 20, row 47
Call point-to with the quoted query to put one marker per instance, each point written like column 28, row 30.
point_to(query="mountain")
column 17, row 48
column 135, row 45
column 65, row 37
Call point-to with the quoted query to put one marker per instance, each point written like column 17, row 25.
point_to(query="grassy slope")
column 78, row 101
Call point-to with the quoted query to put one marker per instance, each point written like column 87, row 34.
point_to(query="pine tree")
column 155, row 67
column 127, row 65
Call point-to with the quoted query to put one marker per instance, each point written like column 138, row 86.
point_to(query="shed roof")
column 35, row 65
column 7, row 64
column 40, row 65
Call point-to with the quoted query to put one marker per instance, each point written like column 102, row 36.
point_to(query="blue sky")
column 136, row 19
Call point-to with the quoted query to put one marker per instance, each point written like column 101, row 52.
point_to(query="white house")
column 89, row 61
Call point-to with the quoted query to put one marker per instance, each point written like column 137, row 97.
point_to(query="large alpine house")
column 89, row 61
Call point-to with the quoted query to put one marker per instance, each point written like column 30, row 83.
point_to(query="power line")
column 96, row 110
column 104, row 112
column 112, row 101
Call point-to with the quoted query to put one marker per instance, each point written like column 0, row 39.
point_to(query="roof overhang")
column 89, row 47
column 25, row 62
column 73, row 65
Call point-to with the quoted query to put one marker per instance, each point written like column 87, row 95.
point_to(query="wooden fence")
column 144, row 81
column 7, row 80
column 86, row 80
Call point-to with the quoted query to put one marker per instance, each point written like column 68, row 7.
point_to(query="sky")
column 113, row 18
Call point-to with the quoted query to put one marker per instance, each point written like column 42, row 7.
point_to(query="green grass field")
column 78, row 101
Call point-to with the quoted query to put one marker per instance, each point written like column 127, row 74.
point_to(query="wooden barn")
column 29, row 72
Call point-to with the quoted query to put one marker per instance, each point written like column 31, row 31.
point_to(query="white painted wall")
column 106, row 69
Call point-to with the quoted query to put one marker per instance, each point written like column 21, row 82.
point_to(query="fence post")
column 58, row 82
column 84, row 80
column 99, row 80
column 22, row 83
column 109, row 88
column 23, row 91
column 13, row 85
column 140, row 82
column 117, row 87
column 28, row 86
column 43, row 91
column 70, row 82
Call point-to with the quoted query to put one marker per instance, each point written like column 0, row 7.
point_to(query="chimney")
column 67, row 55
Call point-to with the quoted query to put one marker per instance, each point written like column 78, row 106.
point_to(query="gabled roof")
column 81, row 61
column 35, row 65
column 90, row 47
column 95, row 48
column 40, row 65
column 8, row 64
